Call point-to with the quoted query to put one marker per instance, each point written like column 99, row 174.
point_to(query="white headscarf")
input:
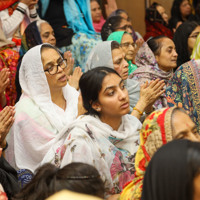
column 38, row 121
column 101, row 55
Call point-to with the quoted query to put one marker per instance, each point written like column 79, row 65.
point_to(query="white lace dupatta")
column 38, row 121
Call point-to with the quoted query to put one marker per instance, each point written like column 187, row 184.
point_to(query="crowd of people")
column 89, row 105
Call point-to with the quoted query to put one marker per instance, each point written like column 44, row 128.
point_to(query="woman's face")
column 184, row 127
column 47, row 34
column 163, row 13
column 192, row 39
column 185, row 8
column 119, row 62
column 125, row 26
column 128, row 46
column 95, row 11
column 113, row 100
column 167, row 58
column 50, row 58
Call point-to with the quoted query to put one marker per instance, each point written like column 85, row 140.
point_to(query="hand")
column 75, row 77
column 81, row 109
column 110, row 7
column 6, row 121
column 4, row 79
column 70, row 63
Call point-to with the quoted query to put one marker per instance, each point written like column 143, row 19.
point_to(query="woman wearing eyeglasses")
column 47, row 104
column 128, row 46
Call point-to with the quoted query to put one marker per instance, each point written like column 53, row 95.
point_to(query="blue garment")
column 77, row 14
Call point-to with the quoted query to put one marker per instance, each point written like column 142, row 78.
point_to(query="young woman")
column 106, row 136
column 48, row 180
column 159, row 128
column 47, row 104
column 156, row 20
column 184, row 40
column 156, row 59
column 111, row 55
column 173, row 172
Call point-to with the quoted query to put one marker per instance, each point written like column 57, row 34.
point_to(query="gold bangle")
column 141, row 113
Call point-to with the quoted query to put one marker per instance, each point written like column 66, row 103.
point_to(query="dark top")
column 56, row 17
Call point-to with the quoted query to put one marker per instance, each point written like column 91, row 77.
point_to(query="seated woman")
column 156, row 21
column 158, row 129
column 173, row 172
column 106, row 136
column 15, row 16
column 47, row 104
column 124, row 14
column 77, row 177
column 184, row 40
column 156, row 59
column 39, row 32
column 97, row 16
column 111, row 55
column 128, row 45
column 183, row 88
column 181, row 11
column 8, row 64
column 73, row 27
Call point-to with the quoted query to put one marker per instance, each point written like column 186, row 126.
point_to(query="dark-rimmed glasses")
column 53, row 69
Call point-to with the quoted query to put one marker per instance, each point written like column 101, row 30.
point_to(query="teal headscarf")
column 117, row 36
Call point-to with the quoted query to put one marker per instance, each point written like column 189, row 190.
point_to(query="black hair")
column 193, row 165
column 49, row 179
column 181, row 41
column 111, row 25
column 90, row 85
column 114, row 45
column 118, row 12
column 155, row 44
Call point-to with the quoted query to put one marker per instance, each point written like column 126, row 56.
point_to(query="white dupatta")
column 112, row 152
column 38, row 121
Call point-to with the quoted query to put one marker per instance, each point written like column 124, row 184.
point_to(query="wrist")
column 140, row 105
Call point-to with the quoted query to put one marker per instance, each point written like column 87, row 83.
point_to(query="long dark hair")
column 77, row 177
column 90, row 85
column 181, row 41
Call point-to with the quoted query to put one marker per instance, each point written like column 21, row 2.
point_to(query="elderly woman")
column 156, row 59
column 47, row 104
column 158, row 129
column 111, row 55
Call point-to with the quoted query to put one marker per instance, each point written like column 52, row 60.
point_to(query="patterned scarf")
column 156, row 131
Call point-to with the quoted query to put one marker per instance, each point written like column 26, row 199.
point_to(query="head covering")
column 184, row 90
column 196, row 49
column 117, row 36
column 30, row 38
column 101, row 55
column 6, row 4
column 155, row 132
column 167, row 176
column 38, row 121
column 148, row 70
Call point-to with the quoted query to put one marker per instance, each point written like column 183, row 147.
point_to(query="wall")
column 136, row 10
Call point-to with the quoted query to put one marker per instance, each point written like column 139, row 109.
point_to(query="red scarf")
column 6, row 4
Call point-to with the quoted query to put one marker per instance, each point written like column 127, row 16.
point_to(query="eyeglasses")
column 125, row 27
column 127, row 44
column 195, row 35
column 53, row 69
